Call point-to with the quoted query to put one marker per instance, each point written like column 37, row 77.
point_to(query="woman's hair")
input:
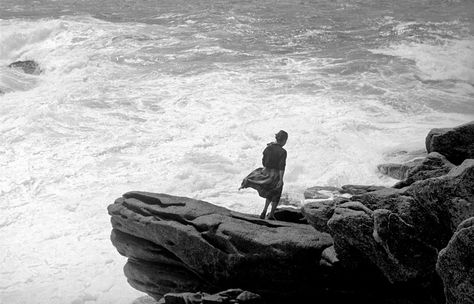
column 281, row 136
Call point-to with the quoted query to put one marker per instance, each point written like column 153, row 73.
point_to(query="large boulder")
column 442, row 203
column 27, row 66
column 457, row 144
column 400, row 231
column 177, row 244
column 456, row 265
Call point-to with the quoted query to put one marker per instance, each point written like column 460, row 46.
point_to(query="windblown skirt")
column 265, row 181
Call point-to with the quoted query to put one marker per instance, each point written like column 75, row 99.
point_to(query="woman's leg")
column 272, row 211
column 264, row 212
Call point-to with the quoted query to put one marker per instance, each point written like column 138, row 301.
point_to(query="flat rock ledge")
column 176, row 244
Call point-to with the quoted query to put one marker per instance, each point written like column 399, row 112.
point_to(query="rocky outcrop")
column 27, row 66
column 318, row 213
column 398, row 171
column 177, row 244
column 401, row 231
column 370, row 244
column 434, row 165
column 456, row 265
column 457, row 144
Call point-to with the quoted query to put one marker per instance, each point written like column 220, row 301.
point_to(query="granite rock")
column 434, row 165
column 398, row 171
column 456, row 265
column 318, row 213
column 400, row 231
column 177, row 244
column 457, row 144
column 360, row 189
column 27, row 66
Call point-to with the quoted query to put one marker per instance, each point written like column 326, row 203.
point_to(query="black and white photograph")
column 236, row 151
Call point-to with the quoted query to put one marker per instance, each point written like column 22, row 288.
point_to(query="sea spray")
column 183, row 100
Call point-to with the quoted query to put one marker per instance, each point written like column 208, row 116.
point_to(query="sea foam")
column 180, row 110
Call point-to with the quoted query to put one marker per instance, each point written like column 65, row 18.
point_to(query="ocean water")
column 181, row 97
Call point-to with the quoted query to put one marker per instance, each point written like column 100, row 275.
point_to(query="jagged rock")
column 398, row 171
column 386, row 198
column 291, row 215
column 434, row 165
column 318, row 213
column 329, row 256
column 249, row 297
column 456, row 265
column 360, row 189
column 399, row 231
column 457, row 144
column 212, row 248
column 27, row 66
column 444, row 203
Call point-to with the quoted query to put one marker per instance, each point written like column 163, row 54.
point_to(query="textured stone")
column 443, row 203
column 398, row 171
column 213, row 248
column 457, row 144
column 360, row 189
column 434, row 165
column 400, row 231
column 456, row 265
column 27, row 66
column 318, row 213
column 238, row 296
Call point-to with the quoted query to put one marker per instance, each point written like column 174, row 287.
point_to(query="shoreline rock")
column 209, row 248
column 456, row 265
column 362, row 243
column 27, row 66
column 456, row 144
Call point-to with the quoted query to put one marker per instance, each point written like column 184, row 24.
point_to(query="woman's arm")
column 280, row 182
column 282, row 166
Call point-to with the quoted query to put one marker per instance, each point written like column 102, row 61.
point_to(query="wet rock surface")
column 27, row 66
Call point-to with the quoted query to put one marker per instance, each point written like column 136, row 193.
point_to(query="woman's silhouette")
column 268, row 181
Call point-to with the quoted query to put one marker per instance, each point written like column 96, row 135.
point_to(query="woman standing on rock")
column 268, row 181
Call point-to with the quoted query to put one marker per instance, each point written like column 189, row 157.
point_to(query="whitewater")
column 181, row 97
